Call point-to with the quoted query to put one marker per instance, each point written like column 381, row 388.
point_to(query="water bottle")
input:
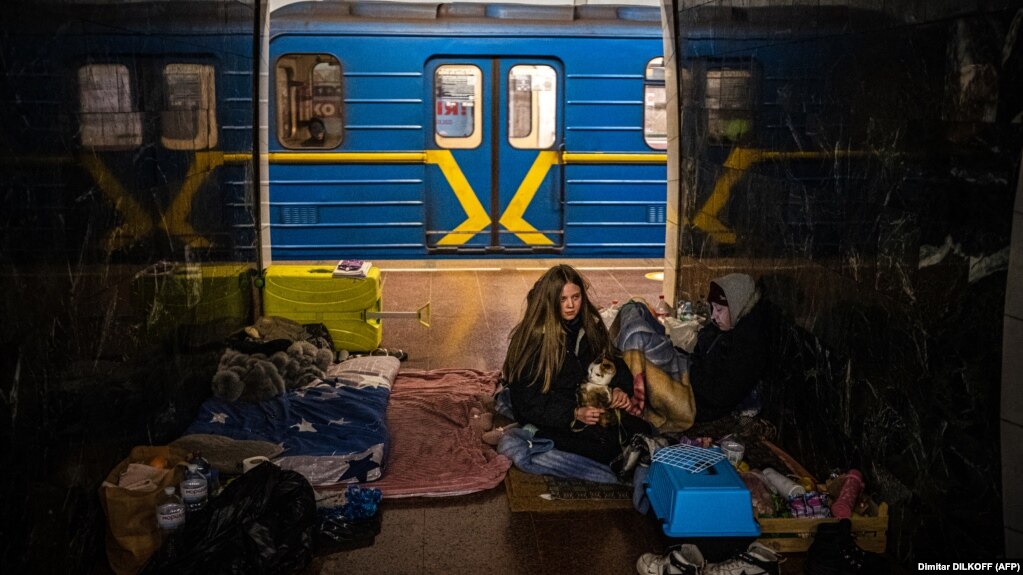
column 194, row 490
column 782, row 485
column 662, row 309
column 685, row 311
column 847, row 496
column 170, row 516
column 208, row 471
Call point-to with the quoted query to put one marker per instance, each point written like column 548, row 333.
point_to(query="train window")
column 532, row 106
column 189, row 117
column 108, row 118
column 655, row 110
column 309, row 101
column 729, row 103
column 457, row 93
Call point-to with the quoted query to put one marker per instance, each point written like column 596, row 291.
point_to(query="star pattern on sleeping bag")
column 304, row 426
column 219, row 418
column 359, row 468
column 340, row 421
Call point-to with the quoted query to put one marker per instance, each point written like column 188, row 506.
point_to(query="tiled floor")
column 474, row 305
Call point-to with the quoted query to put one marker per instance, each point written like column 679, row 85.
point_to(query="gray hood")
column 741, row 293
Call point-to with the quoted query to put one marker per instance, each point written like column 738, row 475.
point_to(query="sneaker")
column 757, row 559
column 834, row 552
column 681, row 560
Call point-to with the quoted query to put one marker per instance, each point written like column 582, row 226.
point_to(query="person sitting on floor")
column 730, row 354
column 560, row 334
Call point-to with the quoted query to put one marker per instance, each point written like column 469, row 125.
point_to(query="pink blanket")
column 435, row 448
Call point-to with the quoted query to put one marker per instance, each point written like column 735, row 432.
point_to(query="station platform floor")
column 474, row 305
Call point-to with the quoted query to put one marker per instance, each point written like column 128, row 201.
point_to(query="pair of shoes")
column 639, row 451
column 679, row 560
column 398, row 353
column 757, row 559
column 834, row 552
column 383, row 351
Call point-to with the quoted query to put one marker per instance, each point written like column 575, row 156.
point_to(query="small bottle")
column 208, row 471
column 194, row 490
column 662, row 309
column 782, row 485
column 852, row 486
column 685, row 311
column 170, row 516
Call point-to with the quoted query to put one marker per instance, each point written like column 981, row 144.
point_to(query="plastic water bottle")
column 847, row 496
column 662, row 309
column 782, row 485
column 194, row 490
column 208, row 471
column 685, row 311
column 170, row 516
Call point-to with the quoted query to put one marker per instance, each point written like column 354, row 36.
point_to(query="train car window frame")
column 655, row 105
column 729, row 118
column 189, row 90
column 451, row 98
column 108, row 117
column 532, row 106
column 309, row 101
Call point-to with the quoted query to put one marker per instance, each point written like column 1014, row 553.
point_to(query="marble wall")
column 118, row 260
column 863, row 166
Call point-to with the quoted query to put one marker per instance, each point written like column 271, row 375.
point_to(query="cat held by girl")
column 596, row 390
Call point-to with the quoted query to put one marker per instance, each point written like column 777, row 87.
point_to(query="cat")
column 596, row 390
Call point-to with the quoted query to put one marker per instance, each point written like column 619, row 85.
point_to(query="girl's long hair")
column 538, row 340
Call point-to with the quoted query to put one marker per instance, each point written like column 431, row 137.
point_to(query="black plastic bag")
column 263, row 522
column 344, row 534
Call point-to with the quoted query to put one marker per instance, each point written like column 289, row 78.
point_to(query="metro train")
column 394, row 131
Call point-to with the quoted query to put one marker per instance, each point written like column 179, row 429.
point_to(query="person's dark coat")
column 553, row 413
column 725, row 366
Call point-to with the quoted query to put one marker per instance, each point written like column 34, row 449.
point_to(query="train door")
column 494, row 176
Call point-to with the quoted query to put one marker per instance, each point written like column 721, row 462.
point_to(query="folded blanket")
column 669, row 404
column 538, row 456
column 638, row 329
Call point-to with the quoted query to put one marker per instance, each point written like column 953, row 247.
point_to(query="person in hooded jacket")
column 551, row 348
column 730, row 354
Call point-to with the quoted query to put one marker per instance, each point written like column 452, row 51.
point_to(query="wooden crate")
column 794, row 535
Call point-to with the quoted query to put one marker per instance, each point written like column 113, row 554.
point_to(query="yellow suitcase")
column 308, row 294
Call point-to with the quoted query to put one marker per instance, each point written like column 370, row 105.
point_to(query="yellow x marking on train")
column 513, row 218
column 477, row 217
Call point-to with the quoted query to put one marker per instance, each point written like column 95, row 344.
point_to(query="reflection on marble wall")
column 125, row 233
column 863, row 167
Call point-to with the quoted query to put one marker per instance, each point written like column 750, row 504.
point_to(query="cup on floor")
column 252, row 462
column 733, row 450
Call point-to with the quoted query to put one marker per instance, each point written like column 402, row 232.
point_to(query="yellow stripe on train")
column 477, row 219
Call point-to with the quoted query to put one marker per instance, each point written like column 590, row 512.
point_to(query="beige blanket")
column 668, row 404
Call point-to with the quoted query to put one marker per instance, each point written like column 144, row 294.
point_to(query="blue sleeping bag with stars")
column 333, row 431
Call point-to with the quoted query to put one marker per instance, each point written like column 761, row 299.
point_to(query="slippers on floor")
column 398, row 353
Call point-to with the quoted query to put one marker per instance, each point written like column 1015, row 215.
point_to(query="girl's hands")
column 588, row 415
column 619, row 399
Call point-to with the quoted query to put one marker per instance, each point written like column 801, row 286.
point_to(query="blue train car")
column 129, row 131
column 425, row 130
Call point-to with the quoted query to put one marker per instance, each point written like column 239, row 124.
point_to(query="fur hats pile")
column 256, row 377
